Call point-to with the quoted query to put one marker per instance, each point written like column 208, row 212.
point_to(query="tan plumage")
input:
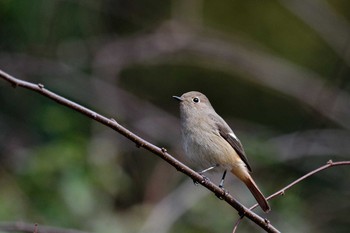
column 209, row 141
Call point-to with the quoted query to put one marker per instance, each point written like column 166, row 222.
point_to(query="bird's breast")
column 205, row 147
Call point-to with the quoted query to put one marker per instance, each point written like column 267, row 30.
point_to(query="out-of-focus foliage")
column 277, row 71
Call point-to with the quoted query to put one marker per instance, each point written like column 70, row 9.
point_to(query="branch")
column 33, row 228
column 140, row 142
column 329, row 164
column 281, row 192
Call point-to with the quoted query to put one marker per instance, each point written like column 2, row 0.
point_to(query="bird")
column 209, row 143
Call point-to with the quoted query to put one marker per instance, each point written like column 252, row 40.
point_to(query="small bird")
column 210, row 143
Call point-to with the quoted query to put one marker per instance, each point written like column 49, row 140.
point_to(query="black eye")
column 196, row 99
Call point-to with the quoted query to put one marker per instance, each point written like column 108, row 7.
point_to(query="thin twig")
column 235, row 227
column 329, row 164
column 33, row 228
column 140, row 142
column 282, row 191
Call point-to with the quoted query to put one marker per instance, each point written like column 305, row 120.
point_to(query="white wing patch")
column 234, row 136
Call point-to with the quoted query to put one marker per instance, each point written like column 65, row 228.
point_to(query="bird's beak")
column 177, row 98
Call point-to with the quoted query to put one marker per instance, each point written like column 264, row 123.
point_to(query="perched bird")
column 210, row 143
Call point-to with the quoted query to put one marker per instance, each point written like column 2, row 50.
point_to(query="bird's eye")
column 196, row 99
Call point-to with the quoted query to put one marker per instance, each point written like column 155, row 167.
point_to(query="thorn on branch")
column 139, row 145
column 205, row 179
column 226, row 193
column 266, row 221
column 178, row 168
column 35, row 228
column 41, row 86
column 330, row 162
column 112, row 119
column 164, row 150
column 241, row 214
column 222, row 196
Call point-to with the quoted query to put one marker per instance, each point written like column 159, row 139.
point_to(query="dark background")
column 277, row 71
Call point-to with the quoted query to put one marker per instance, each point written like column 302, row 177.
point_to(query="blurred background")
column 277, row 71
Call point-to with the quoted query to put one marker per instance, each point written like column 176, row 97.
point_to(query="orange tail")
column 244, row 175
column 257, row 194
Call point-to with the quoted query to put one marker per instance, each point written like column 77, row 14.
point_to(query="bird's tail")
column 257, row 194
column 248, row 180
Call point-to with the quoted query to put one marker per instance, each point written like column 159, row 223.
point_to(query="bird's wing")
column 226, row 132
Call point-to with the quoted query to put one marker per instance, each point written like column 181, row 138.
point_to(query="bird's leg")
column 204, row 171
column 208, row 169
column 221, row 185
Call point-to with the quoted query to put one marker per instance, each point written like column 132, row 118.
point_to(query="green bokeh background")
column 125, row 59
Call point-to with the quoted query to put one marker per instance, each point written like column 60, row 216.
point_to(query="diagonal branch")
column 329, row 164
column 140, row 142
